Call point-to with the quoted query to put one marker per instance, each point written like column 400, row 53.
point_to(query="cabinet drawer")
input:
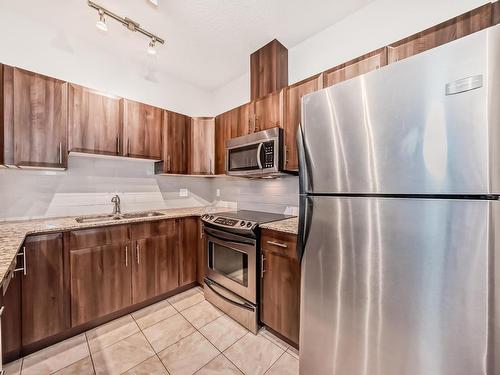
column 85, row 238
column 153, row 229
column 279, row 242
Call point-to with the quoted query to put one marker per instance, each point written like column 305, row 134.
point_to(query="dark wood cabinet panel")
column 100, row 281
column 145, row 270
column 222, row 134
column 458, row 27
column 167, row 260
column 202, row 254
column 94, row 124
column 496, row 13
column 201, row 146
column 175, row 143
column 11, row 320
column 268, row 69
column 280, row 286
column 361, row 65
column 92, row 237
column 142, row 130
column 35, row 119
column 45, row 307
column 268, row 112
column 292, row 112
column 242, row 120
column 188, row 250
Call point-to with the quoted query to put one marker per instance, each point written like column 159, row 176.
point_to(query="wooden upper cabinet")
column 175, row 142
column 268, row 69
column 458, row 27
column 201, row 146
column 94, row 122
column 142, row 130
column 35, row 119
column 45, row 296
column 496, row 13
column 292, row 112
column 268, row 112
column 361, row 65
column 243, row 120
column 222, row 134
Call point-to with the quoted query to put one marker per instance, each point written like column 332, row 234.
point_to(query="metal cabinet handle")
column 284, row 245
column 201, row 231
column 138, row 254
column 210, row 166
column 117, row 145
column 23, row 268
column 60, row 152
column 128, row 146
column 168, row 163
column 126, row 256
column 262, row 268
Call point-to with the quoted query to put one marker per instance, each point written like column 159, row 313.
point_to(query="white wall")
column 380, row 23
column 44, row 49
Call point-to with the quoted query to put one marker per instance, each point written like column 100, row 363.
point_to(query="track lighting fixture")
column 101, row 24
column 128, row 23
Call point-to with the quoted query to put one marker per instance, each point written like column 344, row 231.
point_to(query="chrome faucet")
column 116, row 208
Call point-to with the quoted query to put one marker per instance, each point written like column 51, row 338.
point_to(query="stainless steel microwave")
column 255, row 155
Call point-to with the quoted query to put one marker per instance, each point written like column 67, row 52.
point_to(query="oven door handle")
column 220, row 236
column 244, row 305
column 259, row 162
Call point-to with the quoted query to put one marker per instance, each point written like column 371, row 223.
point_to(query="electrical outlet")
column 154, row 2
column 183, row 192
column 217, row 192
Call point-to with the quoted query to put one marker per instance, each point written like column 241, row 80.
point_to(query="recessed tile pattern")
column 162, row 339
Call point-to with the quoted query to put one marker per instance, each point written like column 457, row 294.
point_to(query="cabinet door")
column 222, row 134
column 36, row 119
column 188, row 250
column 458, row 27
column 175, row 144
column 45, row 308
column 246, row 120
column 145, row 272
column 202, row 148
column 11, row 320
column 142, row 130
column 202, row 254
column 292, row 105
column 100, row 281
column 356, row 67
column 94, row 122
column 268, row 112
column 167, row 260
column 281, row 294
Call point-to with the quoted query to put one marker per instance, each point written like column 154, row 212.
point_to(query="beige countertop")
column 13, row 233
column 287, row 226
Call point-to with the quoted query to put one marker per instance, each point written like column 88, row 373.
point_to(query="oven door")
column 232, row 262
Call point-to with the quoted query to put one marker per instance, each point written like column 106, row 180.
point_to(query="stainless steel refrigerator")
column 400, row 217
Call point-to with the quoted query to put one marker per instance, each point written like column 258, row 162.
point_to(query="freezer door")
column 425, row 125
column 399, row 286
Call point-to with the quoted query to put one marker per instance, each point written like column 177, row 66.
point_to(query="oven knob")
column 211, row 217
column 242, row 223
column 205, row 216
column 249, row 224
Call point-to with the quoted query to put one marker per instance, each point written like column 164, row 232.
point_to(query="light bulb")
column 151, row 47
column 101, row 24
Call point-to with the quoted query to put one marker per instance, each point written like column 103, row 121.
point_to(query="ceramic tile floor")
column 184, row 334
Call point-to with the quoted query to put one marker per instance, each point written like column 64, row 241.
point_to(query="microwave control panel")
column 268, row 154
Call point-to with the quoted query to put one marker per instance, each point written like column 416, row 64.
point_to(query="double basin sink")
column 113, row 217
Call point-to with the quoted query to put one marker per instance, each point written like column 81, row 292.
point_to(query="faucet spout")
column 116, row 207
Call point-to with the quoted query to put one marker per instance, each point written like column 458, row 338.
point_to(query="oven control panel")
column 229, row 222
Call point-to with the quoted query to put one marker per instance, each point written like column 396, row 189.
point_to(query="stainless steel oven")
column 255, row 155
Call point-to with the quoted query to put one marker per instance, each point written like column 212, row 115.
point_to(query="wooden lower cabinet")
column 202, row 254
column 280, row 285
column 45, row 308
column 188, row 242
column 100, row 281
column 11, row 321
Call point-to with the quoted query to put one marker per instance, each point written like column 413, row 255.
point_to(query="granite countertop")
column 287, row 226
column 13, row 233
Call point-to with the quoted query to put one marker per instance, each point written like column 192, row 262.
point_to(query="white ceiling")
column 208, row 42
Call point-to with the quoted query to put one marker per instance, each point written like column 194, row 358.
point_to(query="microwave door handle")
column 259, row 162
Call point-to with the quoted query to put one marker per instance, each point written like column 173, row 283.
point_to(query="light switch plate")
column 217, row 192
column 183, row 192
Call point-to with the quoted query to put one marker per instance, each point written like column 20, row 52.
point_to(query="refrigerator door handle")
column 304, row 177
column 305, row 216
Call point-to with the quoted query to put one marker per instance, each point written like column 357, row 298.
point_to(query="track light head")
column 152, row 47
column 101, row 24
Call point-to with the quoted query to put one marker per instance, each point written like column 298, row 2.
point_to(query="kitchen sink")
column 139, row 215
column 97, row 218
column 111, row 217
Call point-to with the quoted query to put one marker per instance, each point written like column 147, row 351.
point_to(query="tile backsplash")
column 89, row 183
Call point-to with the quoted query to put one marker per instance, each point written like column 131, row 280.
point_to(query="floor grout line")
column 90, row 353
